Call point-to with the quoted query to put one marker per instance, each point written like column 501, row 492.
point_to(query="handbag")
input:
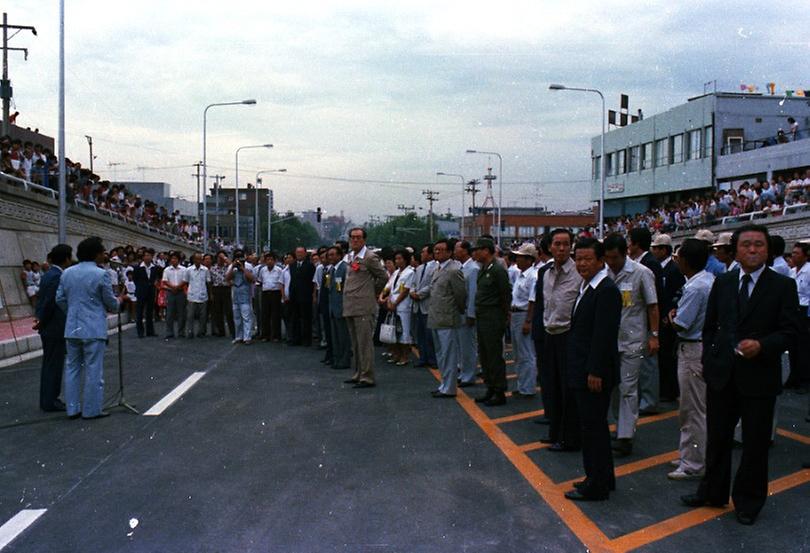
column 388, row 330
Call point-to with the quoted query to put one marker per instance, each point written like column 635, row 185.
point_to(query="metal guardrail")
column 765, row 142
column 787, row 210
column 31, row 186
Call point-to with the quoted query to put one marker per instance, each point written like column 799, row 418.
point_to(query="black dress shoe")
column 495, row 400
column 560, row 447
column 697, row 500
column 623, row 447
column 582, row 483
column 74, row 417
column 542, row 420
column 364, row 384
column 441, row 395
column 350, row 381
column 578, row 495
column 745, row 518
column 521, row 395
column 806, row 465
column 548, row 441
column 55, row 407
column 101, row 415
column 486, row 397
column 465, row 384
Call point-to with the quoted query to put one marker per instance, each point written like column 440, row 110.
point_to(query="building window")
column 633, row 164
column 661, row 152
column 610, row 165
column 526, row 232
column 693, row 151
column 708, row 141
column 597, row 167
column 647, row 156
column 677, row 148
column 621, row 162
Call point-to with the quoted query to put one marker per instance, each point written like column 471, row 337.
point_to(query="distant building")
column 712, row 141
column 525, row 223
column 222, row 213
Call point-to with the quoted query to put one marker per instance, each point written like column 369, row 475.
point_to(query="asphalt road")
column 270, row 451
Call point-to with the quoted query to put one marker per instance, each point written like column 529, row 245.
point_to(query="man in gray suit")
column 85, row 293
column 420, row 295
column 336, row 277
column 365, row 278
column 448, row 298
column 467, row 342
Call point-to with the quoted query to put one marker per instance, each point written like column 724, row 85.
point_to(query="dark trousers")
column 597, row 458
column 559, row 404
column 271, row 314
column 800, row 355
column 301, row 322
column 490, row 330
column 424, row 341
column 341, row 344
column 53, row 365
column 667, row 364
column 326, row 329
column 723, row 409
column 145, row 308
column 222, row 311
column 538, row 359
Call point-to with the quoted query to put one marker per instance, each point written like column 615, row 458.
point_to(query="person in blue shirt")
column 85, row 294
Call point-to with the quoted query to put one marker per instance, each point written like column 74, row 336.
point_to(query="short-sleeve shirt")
column 174, row 275
column 690, row 313
column 197, row 279
column 637, row 286
column 560, row 290
column 270, row 279
column 523, row 289
column 218, row 275
column 405, row 282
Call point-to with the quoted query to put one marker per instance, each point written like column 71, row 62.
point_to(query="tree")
column 405, row 230
column 289, row 232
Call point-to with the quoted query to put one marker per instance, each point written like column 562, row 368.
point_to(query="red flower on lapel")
column 355, row 266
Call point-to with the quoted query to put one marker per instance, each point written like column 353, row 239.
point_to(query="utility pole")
column 217, row 178
column 197, row 174
column 112, row 165
column 431, row 196
column 5, row 84
column 472, row 188
column 90, row 143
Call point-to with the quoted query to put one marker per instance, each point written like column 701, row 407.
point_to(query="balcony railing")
column 765, row 142
column 79, row 203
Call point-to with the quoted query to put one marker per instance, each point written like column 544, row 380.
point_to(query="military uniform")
column 493, row 298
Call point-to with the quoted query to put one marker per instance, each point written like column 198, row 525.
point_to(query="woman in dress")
column 400, row 302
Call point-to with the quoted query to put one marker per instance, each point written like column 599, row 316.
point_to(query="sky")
column 380, row 94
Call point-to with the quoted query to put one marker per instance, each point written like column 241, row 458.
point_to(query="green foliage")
column 289, row 232
column 405, row 230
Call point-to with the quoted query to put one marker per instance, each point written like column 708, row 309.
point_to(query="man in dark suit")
column 341, row 341
column 672, row 282
column 593, row 367
column 751, row 318
column 50, row 322
column 301, row 298
column 648, row 380
column 145, row 276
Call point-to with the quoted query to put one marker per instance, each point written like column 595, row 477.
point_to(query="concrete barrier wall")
column 28, row 230
column 792, row 228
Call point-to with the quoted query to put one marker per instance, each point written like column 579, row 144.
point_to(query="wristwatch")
column 654, row 334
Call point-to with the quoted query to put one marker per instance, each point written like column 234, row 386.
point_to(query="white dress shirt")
column 197, row 279
column 174, row 275
column 271, row 279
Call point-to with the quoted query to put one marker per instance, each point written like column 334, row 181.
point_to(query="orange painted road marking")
column 694, row 517
column 630, row 468
column 533, row 446
column 519, row 416
column 793, row 436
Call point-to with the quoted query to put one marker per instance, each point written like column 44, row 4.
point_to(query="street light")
column 256, row 208
column 250, row 102
column 602, row 155
column 463, row 184
column 500, row 185
column 236, row 199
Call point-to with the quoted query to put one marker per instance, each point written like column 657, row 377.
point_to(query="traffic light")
column 318, row 215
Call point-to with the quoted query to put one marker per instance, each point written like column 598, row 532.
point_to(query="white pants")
column 525, row 355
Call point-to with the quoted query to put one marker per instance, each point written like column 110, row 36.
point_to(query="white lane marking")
column 17, row 525
column 174, row 395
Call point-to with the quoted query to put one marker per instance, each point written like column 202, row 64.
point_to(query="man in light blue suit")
column 85, row 293
column 468, row 343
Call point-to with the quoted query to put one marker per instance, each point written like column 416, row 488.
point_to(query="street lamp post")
column 500, row 186
column 602, row 154
column 463, row 185
column 256, row 208
column 236, row 198
column 250, row 102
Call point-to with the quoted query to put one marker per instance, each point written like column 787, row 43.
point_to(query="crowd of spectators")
column 36, row 164
column 765, row 199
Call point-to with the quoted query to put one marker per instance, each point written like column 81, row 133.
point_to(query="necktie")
column 743, row 296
